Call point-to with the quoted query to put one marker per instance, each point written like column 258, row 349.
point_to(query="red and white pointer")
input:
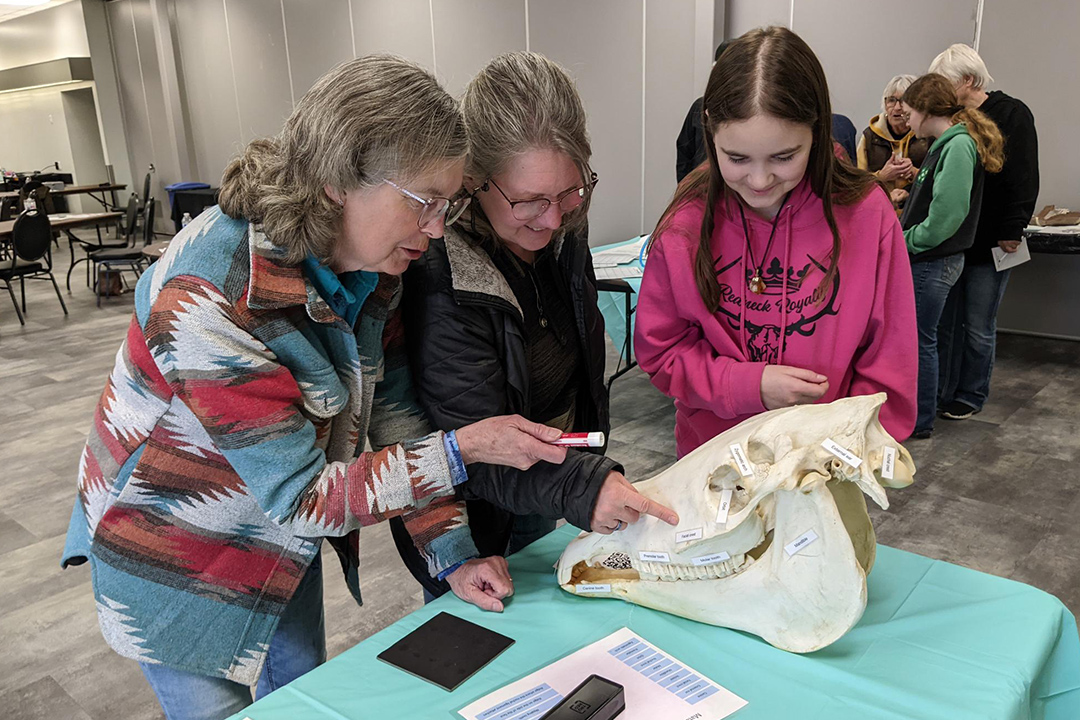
column 584, row 439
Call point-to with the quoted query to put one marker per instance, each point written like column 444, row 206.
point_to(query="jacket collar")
column 879, row 125
column 275, row 284
column 472, row 271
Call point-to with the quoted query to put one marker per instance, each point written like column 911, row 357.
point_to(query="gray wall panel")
column 88, row 156
column 209, row 88
column 402, row 27
column 318, row 38
column 1036, row 62
column 469, row 33
column 602, row 49
column 669, row 91
column 743, row 15
column 57, row 32
column 906, row 43
column 130, row 85
column 159, row 151
column 260, row 65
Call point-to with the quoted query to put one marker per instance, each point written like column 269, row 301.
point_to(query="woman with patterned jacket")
column 265, row 349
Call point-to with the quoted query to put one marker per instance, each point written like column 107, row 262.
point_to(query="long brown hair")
column 935, row 95
column 768, row 71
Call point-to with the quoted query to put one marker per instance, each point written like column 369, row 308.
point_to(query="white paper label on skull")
column 741, row 460
column 593, row 588
column 888, row 463
column 660, row 557
column 800, row 543
column 841, row 452
column 710, row 559
column 725, row 507
column 688, row 535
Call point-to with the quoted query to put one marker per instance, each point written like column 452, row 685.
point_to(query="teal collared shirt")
column 344, row 293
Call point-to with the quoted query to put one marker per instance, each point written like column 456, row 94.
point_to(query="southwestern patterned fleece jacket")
column 229, row 440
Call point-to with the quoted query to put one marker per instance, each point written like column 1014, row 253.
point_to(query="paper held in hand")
column 656, row 685
column 1005, row 260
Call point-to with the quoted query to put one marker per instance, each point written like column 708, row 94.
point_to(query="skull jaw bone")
column 799, row 603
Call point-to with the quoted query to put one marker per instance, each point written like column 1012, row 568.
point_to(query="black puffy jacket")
column 465, row 335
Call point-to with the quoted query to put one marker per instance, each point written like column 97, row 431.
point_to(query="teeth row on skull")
column 669, row 571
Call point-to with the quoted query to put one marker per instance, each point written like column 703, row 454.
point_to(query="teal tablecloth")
column 937, row 642
column 613, row 305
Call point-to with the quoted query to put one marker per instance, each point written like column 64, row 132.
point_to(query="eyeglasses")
column 892, row 101
column 449, row 209
column 526, row 210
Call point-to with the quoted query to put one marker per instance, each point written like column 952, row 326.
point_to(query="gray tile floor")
column 998, row 493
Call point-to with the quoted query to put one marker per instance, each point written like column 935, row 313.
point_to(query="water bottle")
column 185, row 220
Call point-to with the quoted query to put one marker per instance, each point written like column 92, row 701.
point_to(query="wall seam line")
column 434, row 60
column 644, row 25
column 528, row 38
column 142, row 81
column 232, row 68
column 352, row 29
column 288, row 60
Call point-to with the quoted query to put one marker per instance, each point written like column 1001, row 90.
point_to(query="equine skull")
column 740, row 573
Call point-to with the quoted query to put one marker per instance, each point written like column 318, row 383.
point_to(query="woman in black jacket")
column 501, row 316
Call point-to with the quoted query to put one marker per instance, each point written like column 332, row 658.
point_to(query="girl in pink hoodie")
column 778, row 275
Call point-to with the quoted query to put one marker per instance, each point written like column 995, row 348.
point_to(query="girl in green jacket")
column 942, row 212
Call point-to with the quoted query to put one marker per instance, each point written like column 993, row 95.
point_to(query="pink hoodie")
column 862, row 336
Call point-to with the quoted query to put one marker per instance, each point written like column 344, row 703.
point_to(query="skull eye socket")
column 760, row 453
column 723, row 478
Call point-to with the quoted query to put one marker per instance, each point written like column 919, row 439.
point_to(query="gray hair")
column 960, row 61
column 896, row 88
column 367, row 120
column 522, row 101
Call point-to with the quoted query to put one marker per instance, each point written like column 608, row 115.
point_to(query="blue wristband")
column 453, row 457
column 448, row 571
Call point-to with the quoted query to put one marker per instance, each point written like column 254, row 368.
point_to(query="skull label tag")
column 841, row 452
column 724, row 508
column 888, row 464
column 688, row 535
column 593, row 588
column 710, row 559
column 800, row 543
column 740, row 459
column 660, row 557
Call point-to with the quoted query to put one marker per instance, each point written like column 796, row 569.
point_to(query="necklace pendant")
column 757, row 285
column 543, row 322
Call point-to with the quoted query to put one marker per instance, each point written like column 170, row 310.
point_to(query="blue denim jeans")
column 933, row 279
column 967, row 336
column 298, row 645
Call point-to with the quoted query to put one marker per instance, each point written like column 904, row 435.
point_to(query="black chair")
column 117, row 260
column 125, row 237
column 9, row 208
column 31, row 258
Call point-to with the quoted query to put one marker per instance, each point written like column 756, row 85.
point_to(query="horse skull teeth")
column 790, row 563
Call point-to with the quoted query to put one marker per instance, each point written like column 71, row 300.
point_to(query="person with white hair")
column 968, row 328
column 888, row 147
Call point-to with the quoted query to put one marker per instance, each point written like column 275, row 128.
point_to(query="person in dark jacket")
column 941, row 214
column 501, row 313
column 690, row 145
column 968, row 332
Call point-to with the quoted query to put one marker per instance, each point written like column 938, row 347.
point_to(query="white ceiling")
column 8, row 11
